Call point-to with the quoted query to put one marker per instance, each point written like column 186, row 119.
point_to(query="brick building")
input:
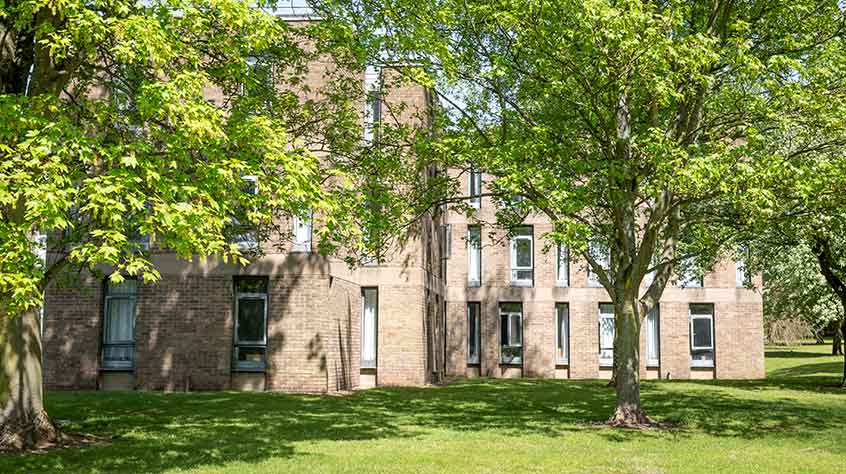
column 451, row 302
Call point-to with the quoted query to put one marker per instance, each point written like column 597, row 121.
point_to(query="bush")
column 787, row 332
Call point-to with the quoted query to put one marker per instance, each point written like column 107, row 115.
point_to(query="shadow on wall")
column 185, row 323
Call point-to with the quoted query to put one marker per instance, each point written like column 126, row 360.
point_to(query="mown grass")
column 792, row 422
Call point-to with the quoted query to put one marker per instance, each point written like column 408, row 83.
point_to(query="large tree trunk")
column 627, row 321
column 23, row 422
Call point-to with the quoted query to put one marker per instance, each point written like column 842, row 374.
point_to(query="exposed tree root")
column 636, row 419
column 38, row 432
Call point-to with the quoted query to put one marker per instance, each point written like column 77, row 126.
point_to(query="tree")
column 122, row 121
column 639, row 127
column 796, row 293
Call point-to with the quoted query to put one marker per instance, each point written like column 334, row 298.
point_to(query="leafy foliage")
column 125, row 119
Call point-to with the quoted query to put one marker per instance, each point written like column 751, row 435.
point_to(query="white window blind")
column 369, row 326
column 474, row 255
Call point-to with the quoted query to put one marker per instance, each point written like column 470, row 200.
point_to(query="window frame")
column 694, row 349
column 238, row 344
column 559, row 344
column 247, row 241
column 743, row 278
column 108, row 297
column 606, row 361
column 654, row 313
column 298, row 245
column 689, row 279
column 474, row 188
column 510, row 316
column 474, row 337
column 604, row 261
column 367, row 363
column 562, row 281
column 372, row 103
column 474, row 247
column 526, row 233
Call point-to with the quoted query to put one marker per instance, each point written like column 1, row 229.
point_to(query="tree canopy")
column 176, row 125
column 651, row 128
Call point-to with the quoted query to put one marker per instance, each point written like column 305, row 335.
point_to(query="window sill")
column 473, row 363
column 559, row 284
column 511, row 364
column 116, row 369
column 562, row 364
column 474, row 284
column 249, row 371
column 521, row 284
column 702, row 366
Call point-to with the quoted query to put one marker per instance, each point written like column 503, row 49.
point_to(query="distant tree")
column 641, row 129
column 795, row 290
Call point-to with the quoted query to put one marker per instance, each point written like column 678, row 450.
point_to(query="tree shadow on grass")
column 153, row 432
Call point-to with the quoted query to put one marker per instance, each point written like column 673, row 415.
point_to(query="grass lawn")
column 792, row 422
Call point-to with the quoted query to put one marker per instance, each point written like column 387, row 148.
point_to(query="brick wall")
column 183, row 333
column 71, row 339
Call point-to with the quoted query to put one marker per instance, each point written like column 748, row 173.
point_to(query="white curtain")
column 119, row 324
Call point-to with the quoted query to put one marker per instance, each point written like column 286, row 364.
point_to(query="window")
column 562, row 333
column 602, row 255
column 119, row 325
column 474, row 188
column 653, row 344
column 522, row 258
column 474, row 255
column 562, row 259
column 373, row 103
column 473, row 332
column 302, row 233
column 446, row 241
column 744, row 278
column 369, row 326
column 250, row 324
column 245, row 236
column 606, row 335
column 702, row 335
column 689, row 276
column 511, row 333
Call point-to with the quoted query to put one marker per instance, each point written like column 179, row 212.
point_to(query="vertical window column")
column 250, row 351
column 474, row 256
column 473, row 333
column 369, row 327
column 119, row 325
